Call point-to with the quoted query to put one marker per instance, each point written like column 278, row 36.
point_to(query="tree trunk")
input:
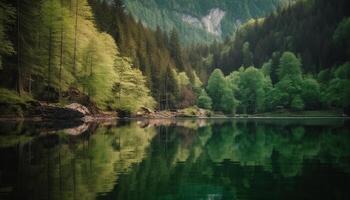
column 91, row 72
column 50, row 59
column 61, row 55
column 75, row 39
column 19, row 84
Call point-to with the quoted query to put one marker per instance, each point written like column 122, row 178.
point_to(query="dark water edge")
column 176, row 159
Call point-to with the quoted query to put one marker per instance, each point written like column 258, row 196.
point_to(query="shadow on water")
column 176, row 159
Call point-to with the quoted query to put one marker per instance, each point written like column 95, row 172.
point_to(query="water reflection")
column 182, row 159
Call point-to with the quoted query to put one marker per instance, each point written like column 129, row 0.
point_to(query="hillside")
column 200, row 21
column 297, row 58
column 307, row 28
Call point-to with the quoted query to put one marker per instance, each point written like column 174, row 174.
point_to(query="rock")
column 77, row 130
column 75, row 96
column 144, row 112
column 79, row 108
column 72, row 111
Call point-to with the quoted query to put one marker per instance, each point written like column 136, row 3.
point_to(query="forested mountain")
column 297, row 58
column 307, row 28
column 95, row 47
column 200, row 21
column 158, row 55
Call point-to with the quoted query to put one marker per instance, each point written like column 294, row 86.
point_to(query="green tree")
column 175, row 49
column 337, row 91
column 251, row 89
column 129, row 92
column 290, row 79
column 310, row 93
column 7, row 14
column 51, row 22
column 297, row 103
column 247, row 55
column 228, row 101
column 204, row 101
column 290, row 66
column 215, row 88
column 342, row 34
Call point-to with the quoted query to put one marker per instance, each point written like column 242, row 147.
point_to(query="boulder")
column 77, row 130
column 75, row 96
column 144, row 112
column 79, row 108
column 72, row 111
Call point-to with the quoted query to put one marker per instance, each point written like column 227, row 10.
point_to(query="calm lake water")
column 183, row 159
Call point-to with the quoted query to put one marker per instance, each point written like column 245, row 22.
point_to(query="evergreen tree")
column 7, row 14
column 247, row 55
column 175, row 49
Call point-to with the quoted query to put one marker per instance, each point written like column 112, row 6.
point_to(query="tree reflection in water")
column 184, row 159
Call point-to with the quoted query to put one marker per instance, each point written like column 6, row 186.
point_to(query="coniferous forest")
column 297, row 58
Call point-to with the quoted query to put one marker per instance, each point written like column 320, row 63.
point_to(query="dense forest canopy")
column 200, row 21
column 295, row 58
column 308, row 41
column 54, row 45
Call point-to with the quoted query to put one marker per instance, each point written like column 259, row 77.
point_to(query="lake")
column 176, row 159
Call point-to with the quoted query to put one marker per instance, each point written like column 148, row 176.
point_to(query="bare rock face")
column 211, row 22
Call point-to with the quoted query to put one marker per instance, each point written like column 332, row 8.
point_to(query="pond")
column 176, row 159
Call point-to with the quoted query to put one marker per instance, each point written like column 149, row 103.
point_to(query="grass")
column 11, row 97
column 13, row 105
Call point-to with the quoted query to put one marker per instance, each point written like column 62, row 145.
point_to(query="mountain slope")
column 200, row 20
column 310, row 29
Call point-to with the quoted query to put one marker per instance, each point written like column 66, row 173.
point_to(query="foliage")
column 216, row 88
column 130, row 92
column 247, row 55
column 253, row 91
column 59, row 46
column 11, row 97
column 169, row 14
column 289, row 67
column 251, row 87
column 7, row 14
column 311, row 93
column 11, row 104
column 155, row 53
column 309, row 29
column 336, row 92
column 297, row 103
column 204, row 101
column 342, row 34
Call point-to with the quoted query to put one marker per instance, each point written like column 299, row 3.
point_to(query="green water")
column 184, row 159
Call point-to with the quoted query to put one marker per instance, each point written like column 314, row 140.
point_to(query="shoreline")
column 104, row 119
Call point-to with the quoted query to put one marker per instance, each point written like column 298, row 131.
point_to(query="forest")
column 297, row 58
column 171, row 13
